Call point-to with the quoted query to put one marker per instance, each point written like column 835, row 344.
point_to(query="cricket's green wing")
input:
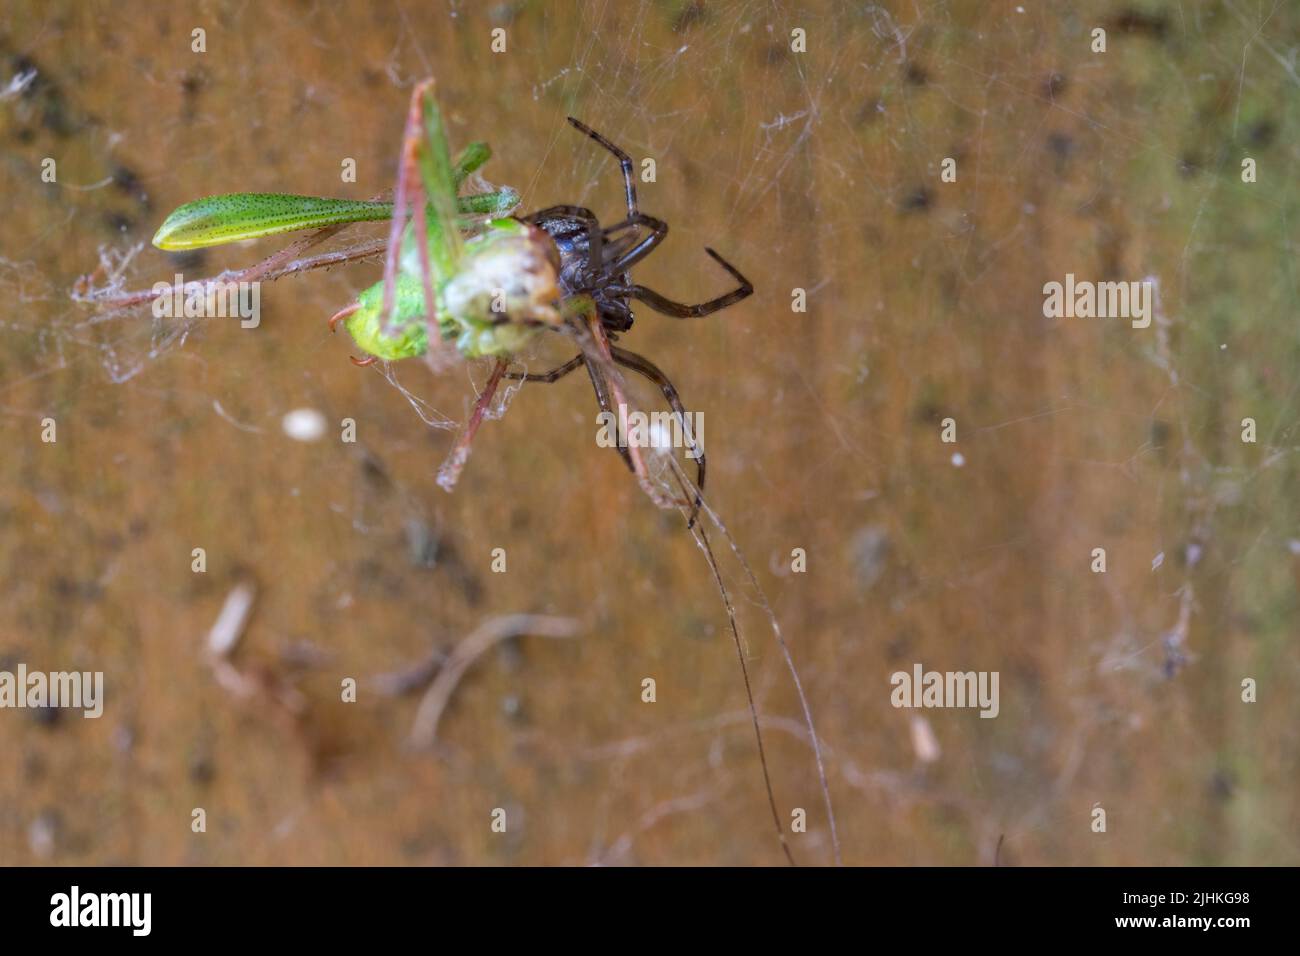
column 214, row 220
column 233, row 217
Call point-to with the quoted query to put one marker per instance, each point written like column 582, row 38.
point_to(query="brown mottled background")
column 817, row 170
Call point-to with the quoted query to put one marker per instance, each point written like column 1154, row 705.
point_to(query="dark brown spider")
column 597, row 261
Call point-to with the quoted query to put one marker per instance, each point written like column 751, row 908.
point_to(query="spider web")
column 818, row 171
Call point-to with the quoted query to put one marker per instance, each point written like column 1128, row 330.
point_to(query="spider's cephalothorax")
column 608, row 280
column 596, row 261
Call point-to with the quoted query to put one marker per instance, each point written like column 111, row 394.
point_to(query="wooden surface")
column 818, row 171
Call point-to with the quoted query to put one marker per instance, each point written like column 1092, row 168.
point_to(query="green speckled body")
column 503, row 291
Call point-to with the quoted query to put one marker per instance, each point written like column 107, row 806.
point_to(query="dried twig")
column 424, row 729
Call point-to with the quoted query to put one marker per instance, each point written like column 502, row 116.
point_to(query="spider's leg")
column 554, row 375
column 601, row 388
column 679, row 311
column 582, row 311
column 451, row 468
column 617, row 241
column 624, row 160
column 642, row 365
column 626, row 260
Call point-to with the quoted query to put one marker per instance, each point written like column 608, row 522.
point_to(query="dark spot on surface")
column 202, row 771
column 915, row 74
column 870, row 111
column 193, row 82
column 690, row 14
column 373, row 578
column 1175, row 660
column 1159, row 434
column 462, row 577
column 373, row 470
column 1188, row 166
column 66, row 587
column 916, row 201
column 54, row 119
column 1140, row 23
column 118, row 222
column 774, row 53
column 189, row 259
column 1262, row 133
column 1060, row 145
column 34, row 767
column 1222, row 785
column 1055, row 85
column 927, row 413
column 127, row 182
column 46, row 716
column 25, row 134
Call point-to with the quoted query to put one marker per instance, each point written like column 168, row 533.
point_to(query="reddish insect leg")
column 408, row 194
column 342, row 314
column 451, row 468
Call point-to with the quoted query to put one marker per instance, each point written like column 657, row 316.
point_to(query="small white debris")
column 1294, row 545
column 1158, row 560
column 304, row 424
column 660, row 436
column 958, row 459
column 225, row 634
column 18, row 84
column 41, row 835
column 924, row 742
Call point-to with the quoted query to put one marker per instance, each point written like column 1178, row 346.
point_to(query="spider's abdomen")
column 571, row 241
